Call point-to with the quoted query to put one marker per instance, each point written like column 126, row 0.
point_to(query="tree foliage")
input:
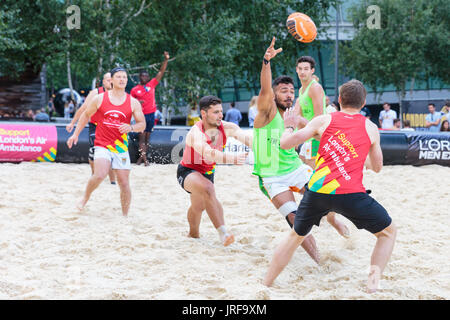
column 210, row 41
column 411, row 43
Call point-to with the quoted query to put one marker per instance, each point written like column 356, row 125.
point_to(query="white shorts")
column 119, row 161
column 293, row 181
column 305, row 150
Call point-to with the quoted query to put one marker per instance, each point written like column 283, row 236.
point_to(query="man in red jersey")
column 145, row 93
column 113, row 109
column 348, row 141
column 106, row 82
column 205, row 143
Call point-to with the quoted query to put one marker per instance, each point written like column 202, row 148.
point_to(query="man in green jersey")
column 311, row 103
column 280, row 172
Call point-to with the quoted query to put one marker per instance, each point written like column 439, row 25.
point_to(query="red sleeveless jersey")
column 342, row 152
column 110, row 118
column 192, row 159
column 94, row 117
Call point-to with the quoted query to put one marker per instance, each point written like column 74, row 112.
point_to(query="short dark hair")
column 396, row 120
column 432, row 104
column 407, row 123
column 353, row 94
column 117, row 69
column 308, row 59
column 143, row 72
column 207, row 101
column 282, row 79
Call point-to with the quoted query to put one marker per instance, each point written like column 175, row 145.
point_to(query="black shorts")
column 149, row 122
column 92, row 128
column 183, row 172
column 360, row 208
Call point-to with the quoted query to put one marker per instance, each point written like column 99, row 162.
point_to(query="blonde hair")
column 253, row 101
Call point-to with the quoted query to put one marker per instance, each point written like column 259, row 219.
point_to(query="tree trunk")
column 69, row 76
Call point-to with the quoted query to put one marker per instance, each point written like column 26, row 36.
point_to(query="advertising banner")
column 428, row 148
column 27, row 143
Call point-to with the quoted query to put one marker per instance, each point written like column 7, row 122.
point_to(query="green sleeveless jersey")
column 306, row 103
column 270, row 159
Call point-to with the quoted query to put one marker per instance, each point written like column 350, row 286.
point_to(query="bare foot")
column 373, row 280
column 309, row 244
column 229, row 239
column 194, row 235
column 81, row 205
column 339, row 226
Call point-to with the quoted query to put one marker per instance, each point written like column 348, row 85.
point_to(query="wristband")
column 265, row 61
column 293, row 129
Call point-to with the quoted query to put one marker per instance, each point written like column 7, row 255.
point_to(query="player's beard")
column 282, row 105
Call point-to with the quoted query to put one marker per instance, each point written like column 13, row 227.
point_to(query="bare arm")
column 84, row 119
column 265, row 98
column 80, row 111
column 291, row 139
column 197, row 140
column 234, row 131
column 374, row 160
column 163, row 67
column 316, row 94
column 140, row 124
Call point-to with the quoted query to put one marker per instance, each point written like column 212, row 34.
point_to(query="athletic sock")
column 223, row 233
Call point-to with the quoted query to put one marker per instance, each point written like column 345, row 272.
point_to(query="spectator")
column 445, row 111
column 330, row 106
column 407, row 126
column 366, row 112
column 41, row 116
column 397, row 124
column 29, row 115
column 158, row 117
column 252, row 111
column 433, row 119
column 193, row 116
column 68, row 109
column 387, row 116
column 233, row 115
column 444, row 126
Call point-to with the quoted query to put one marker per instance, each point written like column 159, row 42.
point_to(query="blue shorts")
column 149, row 122
column 360, row 208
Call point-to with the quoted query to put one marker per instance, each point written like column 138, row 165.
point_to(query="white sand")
column 47, row 251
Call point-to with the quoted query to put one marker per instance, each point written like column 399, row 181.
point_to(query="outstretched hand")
column 293, row 119
column 271, row 52
column 166, row 55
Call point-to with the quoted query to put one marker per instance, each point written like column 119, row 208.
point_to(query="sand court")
column 49, row 251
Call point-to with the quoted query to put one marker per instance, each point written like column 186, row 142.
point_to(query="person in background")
column 407, row 126
column 330, row 106
column 387, row 116
column 445, row 112
column 366, row 112
column 158, row 117
column 433, row 119
column 144, row 92
column 397, row 124
column 444, row 126
column 233, row 114
column 193, row 116
column 252, row 110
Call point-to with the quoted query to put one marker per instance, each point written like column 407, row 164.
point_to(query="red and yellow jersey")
column 194, row 160
column 342, row 152
column 110, row 118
